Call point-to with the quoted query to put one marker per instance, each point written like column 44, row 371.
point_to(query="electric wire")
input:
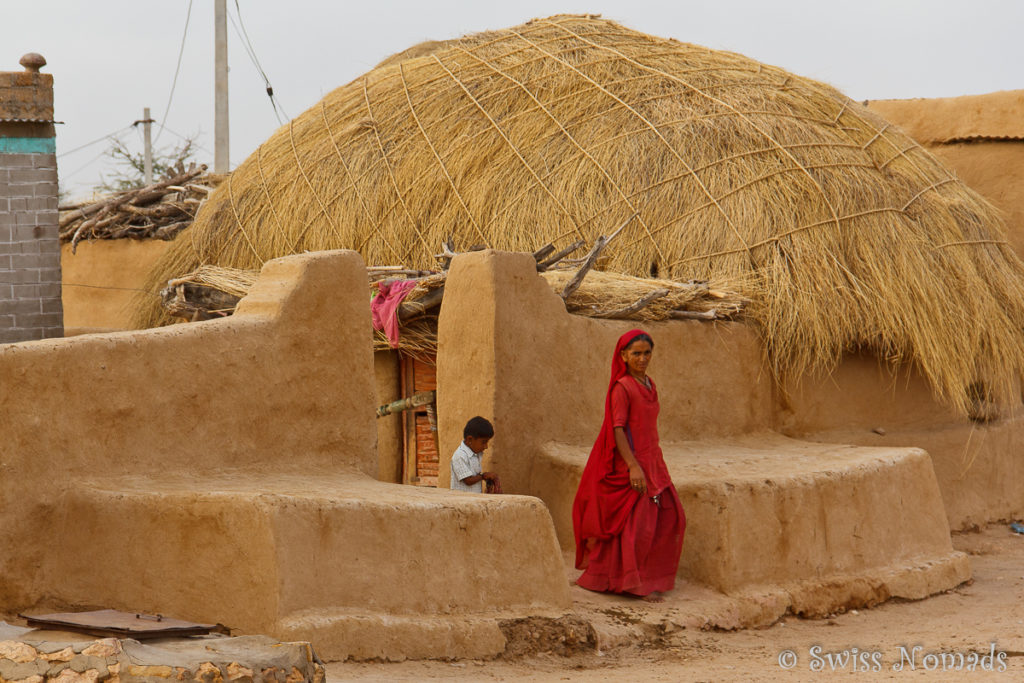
column 93, row 142
column 251, row 51
column 65, row 176
column 255, row 62
column 243, row 35
column 177, row 69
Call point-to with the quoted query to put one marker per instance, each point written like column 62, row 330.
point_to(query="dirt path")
column 985, row 617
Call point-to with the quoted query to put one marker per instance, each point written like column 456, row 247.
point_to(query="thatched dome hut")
column 847, row 233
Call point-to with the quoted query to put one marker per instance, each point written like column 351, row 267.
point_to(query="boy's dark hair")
column 478, row 427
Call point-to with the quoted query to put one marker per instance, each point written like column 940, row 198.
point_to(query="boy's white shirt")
column 466, row 463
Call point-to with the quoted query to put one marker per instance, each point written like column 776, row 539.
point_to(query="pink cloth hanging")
column 384, row 307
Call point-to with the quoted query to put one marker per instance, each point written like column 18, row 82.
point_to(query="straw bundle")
column 850, row 234
column 207, row 292
column 232, row 281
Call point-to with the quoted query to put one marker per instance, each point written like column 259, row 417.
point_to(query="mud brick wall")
column 30, row 277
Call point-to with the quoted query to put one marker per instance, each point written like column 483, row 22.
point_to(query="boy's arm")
column 460, row 466
column 485, row 476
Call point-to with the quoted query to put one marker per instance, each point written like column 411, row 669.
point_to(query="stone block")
column 17, row 651
column 26, row 233
column 27, row 261
column 20, row 275
column 20, row 308
column 63, row 655
column 11, row 160
column 46, row 229
column 26, row 291
column 10, row 335
column 38, row 175
column 54, row 306
column 39, row 320
column 46, row 189
column 50, row 270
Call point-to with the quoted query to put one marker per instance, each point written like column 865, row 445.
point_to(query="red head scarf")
column 605, row 498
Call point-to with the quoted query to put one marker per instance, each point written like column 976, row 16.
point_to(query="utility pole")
column 221, row 163
column 147, row 159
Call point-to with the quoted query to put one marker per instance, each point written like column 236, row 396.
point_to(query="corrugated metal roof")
column 6, row 120
column 110, row 622
column 995, row 116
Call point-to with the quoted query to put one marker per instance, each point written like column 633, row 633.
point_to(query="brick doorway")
column 419, row 425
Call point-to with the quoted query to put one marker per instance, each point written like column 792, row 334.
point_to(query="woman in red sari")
column 627, row 517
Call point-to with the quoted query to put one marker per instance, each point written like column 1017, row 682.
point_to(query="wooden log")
column 161, row 211
column 375, row 273
column 138, row 196
column 543, row 252
column 448, row 253
column 168, row 232
column 413, row 309
column 591, row 259
column 152, row 193
column 548, row 263
column 634, row 307
column 694, row 315
column 197, row 302
column 423, row 398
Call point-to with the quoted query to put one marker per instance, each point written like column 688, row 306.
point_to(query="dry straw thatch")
column 850, row 234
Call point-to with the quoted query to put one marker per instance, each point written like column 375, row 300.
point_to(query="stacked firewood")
column 157, row 211
column 213, row 292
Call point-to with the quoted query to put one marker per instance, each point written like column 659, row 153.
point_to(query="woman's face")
column 637, row 356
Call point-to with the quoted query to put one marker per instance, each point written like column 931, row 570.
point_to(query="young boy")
column 467, row 462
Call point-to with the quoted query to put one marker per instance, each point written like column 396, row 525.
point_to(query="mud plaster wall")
column 977, row 464
column 995, row 168
column 541, row 375
column 101, row 280
column 223, row 472
column 262, row 391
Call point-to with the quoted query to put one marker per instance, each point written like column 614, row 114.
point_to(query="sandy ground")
column 928, row 637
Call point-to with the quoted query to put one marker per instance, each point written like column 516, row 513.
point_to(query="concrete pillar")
column 30, row 278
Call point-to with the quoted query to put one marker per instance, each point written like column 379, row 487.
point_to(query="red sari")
column 626, row 541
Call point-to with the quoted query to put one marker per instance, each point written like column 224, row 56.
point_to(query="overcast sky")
column 111, row 58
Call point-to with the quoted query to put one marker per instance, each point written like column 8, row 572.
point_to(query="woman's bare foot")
column 653, row 597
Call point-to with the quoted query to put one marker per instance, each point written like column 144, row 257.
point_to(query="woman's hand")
column 637, row 479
